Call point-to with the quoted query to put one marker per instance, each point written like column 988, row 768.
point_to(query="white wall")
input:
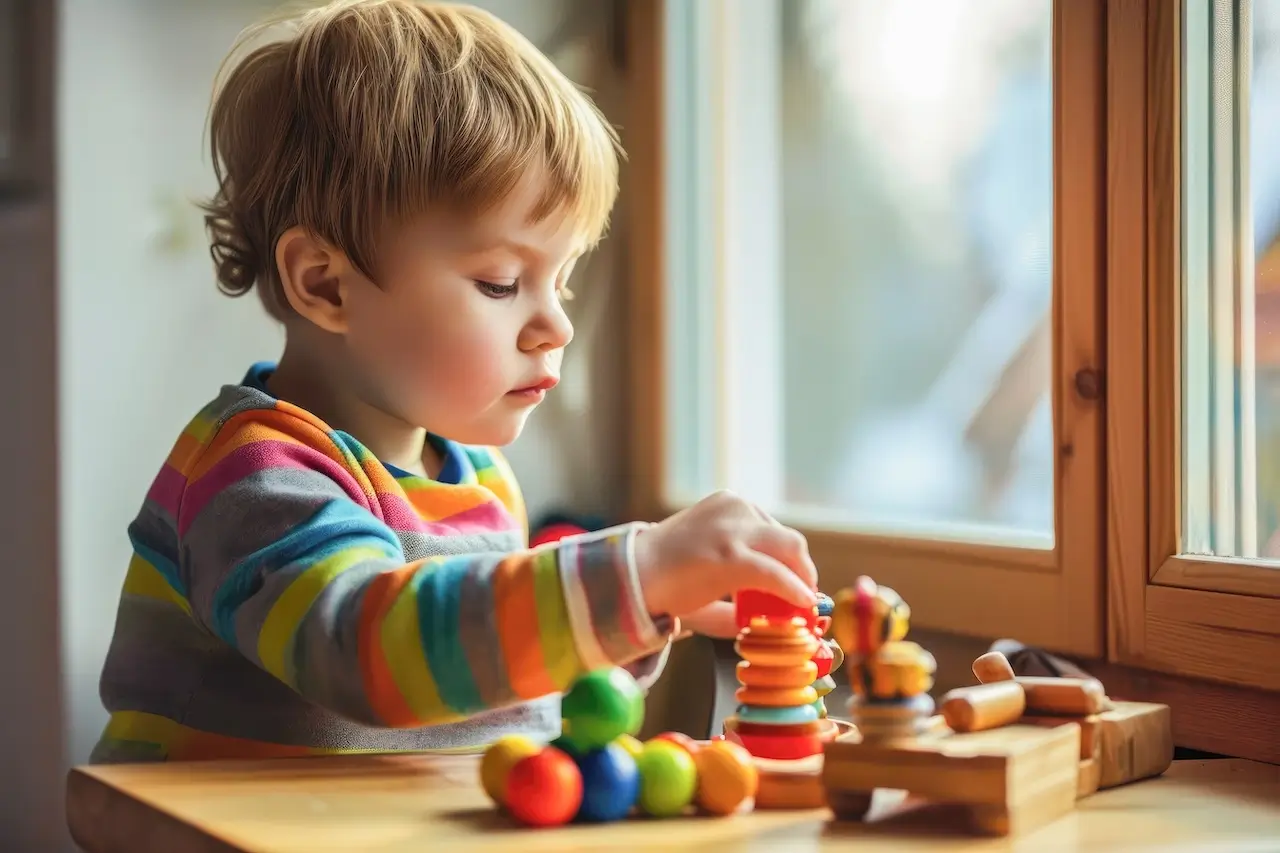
column 146, row 339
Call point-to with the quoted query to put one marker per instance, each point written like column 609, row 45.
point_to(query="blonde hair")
column 369, row 111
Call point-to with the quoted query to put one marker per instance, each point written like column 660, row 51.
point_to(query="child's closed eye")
column 495, row 290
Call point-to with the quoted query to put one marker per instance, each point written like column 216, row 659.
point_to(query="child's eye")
column 496, row 291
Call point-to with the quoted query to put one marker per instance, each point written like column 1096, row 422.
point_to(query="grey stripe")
column 153, row 659
column 326, row 654
column 418, row 546
column 478, row 634
column 237, row 399
column 598, row 569
column 155, row 524
column 244, row 518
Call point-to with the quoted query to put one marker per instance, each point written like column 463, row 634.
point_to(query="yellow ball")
column 630, row 744
column 727, row 777
column 499, row 758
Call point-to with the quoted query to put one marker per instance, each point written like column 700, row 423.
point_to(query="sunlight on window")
column 914, row 174
column 1231, row 279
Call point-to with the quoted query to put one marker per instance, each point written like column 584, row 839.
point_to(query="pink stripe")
column 489, row 517
column 262, row 456
column 166, row 490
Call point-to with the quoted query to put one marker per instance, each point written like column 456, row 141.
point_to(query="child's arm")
column 285, row 559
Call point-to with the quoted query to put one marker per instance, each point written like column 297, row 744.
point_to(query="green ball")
column 668, row 778
column 601, row 706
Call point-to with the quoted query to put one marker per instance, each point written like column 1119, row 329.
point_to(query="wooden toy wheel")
column 848, row 806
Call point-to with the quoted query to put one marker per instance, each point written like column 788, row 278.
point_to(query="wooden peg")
column 1066, row 697
column 984, row 706
column 991, row 667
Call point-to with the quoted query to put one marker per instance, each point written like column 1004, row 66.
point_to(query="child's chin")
column 496, row 435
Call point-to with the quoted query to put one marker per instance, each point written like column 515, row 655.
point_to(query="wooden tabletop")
column 415, row 803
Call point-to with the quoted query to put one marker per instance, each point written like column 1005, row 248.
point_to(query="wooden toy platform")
column 1014, row 778
column 984, row 770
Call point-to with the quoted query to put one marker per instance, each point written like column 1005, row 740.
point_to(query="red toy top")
column 750, row 603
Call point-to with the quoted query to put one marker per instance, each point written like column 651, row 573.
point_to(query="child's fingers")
column 764, row 572
column 790, row 548
column 718, row 619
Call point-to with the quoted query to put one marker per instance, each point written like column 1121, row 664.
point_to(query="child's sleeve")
column 285, row 559
column 501, row 479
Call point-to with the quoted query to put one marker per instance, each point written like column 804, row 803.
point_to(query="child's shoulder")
column 245, row 413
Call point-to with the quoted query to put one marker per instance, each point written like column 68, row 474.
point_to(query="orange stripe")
column 186, row 450
column 516, row 615
column 379, row 684
column 263, row 425
column 204, row 746
column 433, row 503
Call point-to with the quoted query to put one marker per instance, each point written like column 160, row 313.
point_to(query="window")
column 868, row 292
column 1194, row 337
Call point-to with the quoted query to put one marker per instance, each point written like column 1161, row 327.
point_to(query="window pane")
column 914, row 176
column 1231, row 279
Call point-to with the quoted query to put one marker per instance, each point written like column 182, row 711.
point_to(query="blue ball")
column 610, row 784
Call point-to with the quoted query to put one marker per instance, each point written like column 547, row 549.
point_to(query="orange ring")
column 755, row 675
column 784, row 697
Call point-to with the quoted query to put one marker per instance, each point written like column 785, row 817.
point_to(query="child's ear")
column 312, row 275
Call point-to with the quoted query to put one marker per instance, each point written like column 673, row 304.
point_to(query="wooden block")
column 1089, row 729
column 790, row 784
column 1087, row 781
column 1013, row 778
column 1135, row 742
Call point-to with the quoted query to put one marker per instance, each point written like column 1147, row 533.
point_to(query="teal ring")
column 777, row 716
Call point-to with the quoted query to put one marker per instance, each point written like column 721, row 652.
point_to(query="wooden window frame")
column 1048, row 598
column 1182, row 631
column 1204, row 617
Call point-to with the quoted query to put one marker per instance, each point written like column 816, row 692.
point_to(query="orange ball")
column 727, row 777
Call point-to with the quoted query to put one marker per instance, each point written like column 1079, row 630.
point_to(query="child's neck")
column 298, row 380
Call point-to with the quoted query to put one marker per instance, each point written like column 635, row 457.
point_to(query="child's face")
column 464, row 333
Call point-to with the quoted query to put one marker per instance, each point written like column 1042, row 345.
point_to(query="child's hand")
column 691, row 561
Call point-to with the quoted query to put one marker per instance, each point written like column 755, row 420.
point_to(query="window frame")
column 1210, row 618
column 1052, row 599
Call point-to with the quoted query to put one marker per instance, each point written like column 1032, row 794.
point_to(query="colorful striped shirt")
column 289, row 594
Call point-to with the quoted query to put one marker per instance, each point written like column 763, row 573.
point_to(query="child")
column 333, row 557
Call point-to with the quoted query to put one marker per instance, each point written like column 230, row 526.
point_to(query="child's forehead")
column 513, row 230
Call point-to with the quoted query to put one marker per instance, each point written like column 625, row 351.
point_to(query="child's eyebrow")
column 526, row 251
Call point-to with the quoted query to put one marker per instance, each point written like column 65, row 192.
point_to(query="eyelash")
column 502, row 291
column 497, row 291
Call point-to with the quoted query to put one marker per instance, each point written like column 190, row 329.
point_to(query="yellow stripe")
column 144, row 580
column 279, row 628
column 402, row 645
column 558, row 649
column 169, row 737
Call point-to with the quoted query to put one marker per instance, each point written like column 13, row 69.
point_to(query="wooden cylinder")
column 993, row 666
column 983, row 706
column 1065, row 697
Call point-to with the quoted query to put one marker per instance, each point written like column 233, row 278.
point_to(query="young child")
column 333, row 557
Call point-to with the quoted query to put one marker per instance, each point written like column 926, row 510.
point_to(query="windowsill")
column 1209, row 719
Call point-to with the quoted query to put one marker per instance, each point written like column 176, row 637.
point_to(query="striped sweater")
column 289, row 594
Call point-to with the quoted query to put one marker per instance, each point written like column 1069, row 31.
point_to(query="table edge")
column 134, row 824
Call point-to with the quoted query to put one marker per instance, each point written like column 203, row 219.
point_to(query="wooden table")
column 418, row 803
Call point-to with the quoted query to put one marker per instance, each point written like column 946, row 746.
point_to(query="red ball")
column 681, row 740
column 544, row 789
column 554, row 533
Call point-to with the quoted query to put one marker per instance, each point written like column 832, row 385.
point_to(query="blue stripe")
column 166, row 567
column 336, row 526
column 439, row 608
